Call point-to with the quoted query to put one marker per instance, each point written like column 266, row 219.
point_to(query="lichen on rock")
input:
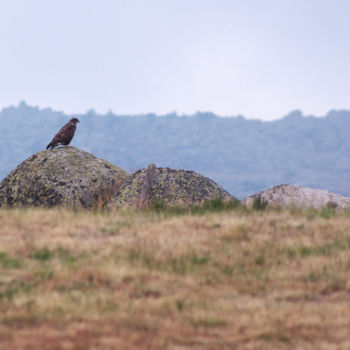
column 167, row 186
column 297, row 196
column 63, row 176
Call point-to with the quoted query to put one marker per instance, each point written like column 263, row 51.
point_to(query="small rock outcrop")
column 62, row 176
column 298, row 196
column 167, row 186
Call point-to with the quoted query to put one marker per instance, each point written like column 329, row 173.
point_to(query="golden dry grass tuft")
column 235, row 279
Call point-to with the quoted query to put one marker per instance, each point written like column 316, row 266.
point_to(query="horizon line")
column 293, row 113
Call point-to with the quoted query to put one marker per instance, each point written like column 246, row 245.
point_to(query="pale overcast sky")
column 258, row 58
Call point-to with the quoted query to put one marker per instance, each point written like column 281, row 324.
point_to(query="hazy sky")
column 258, row 58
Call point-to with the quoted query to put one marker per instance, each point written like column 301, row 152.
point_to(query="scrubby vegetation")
column 260, row 203
column 215, row 277
column 214, row 205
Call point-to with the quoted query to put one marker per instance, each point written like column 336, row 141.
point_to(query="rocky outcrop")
column 298, row 196
column 62, row 176
column 167, row 186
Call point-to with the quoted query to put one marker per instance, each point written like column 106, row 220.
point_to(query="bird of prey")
column 65, row 135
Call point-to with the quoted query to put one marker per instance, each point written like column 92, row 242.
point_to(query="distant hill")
column 244, row 156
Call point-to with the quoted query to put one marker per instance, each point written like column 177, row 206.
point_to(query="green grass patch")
column 180, row 305
column 189, row 264
column 273, row 336
column 186, row 264
column 75, row 286
column 60, row 253
column 314, row 276
column 66, row 256
column 42, row 254
column 44, row 274
column 327, row 213
column 9, row 290
column 209, row 322
column 22, row 321
column 326, row 249
column 7, row 261
column 214, row 205
column 260, row 260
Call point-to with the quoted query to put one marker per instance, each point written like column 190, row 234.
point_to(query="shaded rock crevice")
column 145, row 193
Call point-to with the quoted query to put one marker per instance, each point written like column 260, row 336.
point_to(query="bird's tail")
column 49, row 145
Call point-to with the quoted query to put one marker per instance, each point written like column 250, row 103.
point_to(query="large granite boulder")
column 297, row 196
column 167, row 186
column 62, row 176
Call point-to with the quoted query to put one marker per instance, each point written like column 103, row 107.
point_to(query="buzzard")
column 65, row 135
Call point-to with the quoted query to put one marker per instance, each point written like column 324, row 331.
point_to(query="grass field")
column 232, row 279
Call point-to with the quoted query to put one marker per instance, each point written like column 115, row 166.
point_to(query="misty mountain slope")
column 244, row 156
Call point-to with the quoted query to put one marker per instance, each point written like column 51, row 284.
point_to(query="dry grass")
column 143, row 280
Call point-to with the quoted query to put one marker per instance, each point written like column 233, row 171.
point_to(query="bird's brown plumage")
column 65, row 135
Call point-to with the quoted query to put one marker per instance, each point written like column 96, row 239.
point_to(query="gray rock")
column 298, row 196
column 168, row 186
column 62, row 176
